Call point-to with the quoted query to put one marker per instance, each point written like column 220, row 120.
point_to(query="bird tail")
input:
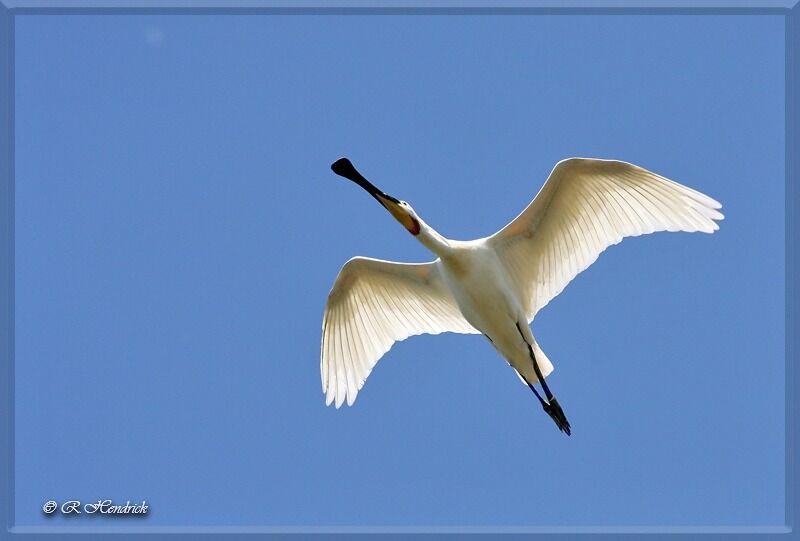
column 528, row 373
column 544, row 363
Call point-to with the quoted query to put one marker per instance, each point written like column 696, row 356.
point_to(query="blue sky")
column 178, row 230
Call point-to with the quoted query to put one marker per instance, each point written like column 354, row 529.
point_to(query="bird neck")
column 432, row 240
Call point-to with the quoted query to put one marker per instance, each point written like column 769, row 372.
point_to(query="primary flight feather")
column 496, row 285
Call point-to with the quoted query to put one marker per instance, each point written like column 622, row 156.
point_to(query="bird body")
column 496, row 285
column 489, row 300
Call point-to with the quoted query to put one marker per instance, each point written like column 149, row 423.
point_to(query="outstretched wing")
column 585, row 206
column 372, row 305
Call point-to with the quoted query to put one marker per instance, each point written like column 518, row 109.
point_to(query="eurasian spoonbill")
column 495, row 285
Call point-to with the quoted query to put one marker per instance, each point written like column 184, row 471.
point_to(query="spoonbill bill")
column 496, row 285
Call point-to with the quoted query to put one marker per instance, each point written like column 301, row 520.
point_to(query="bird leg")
column 551, row 406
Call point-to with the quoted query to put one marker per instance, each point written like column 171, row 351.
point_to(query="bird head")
column 401, row 210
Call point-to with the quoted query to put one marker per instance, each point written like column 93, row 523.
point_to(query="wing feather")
column 372, row 305
column 585, row 206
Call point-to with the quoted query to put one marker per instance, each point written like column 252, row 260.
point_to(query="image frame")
column 10, row 10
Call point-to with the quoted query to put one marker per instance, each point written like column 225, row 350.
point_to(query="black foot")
column 555, row 412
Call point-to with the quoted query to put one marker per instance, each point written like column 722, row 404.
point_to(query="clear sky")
column 178, row 229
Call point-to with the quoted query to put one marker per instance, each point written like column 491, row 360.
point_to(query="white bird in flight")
column 496, row 285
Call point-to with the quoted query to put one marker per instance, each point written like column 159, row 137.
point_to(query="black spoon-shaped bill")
column 344, row 168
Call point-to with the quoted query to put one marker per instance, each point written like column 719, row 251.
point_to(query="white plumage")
column 495, row 285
